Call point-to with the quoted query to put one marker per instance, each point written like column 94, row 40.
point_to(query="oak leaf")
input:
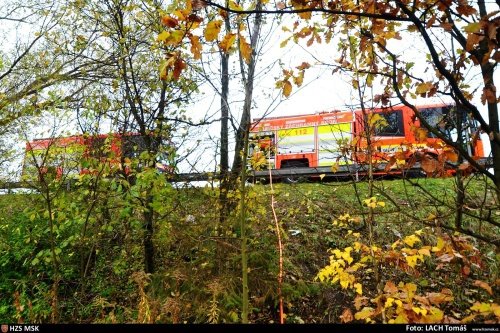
column 227, row 42
column 195, row 47
column 179, row 65
column 451, row 156
column 212, row 30
column 429, row 165
column 287, row 88
column 234, row 6
column 390, row 288
column 346, row 316
column 169, row 21
column 465, row 9
column 420, row 134
column 365, row 313
column 423, row 88
column 245, row 49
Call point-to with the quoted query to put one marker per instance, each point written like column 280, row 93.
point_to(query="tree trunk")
column 487, row 70
column 224, row 139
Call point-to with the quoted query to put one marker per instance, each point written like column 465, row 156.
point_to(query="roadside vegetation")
column 426, row 272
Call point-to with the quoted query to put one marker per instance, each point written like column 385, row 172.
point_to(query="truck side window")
column 394, row 125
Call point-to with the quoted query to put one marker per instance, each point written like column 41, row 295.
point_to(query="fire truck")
column 339, row 139
column 73, row 155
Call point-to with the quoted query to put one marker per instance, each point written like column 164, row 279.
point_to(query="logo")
column 5, row 328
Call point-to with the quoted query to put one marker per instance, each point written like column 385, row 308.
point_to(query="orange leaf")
column 178, row 67
column 390, row 288
column 227, row 42
column 287, row 88
column 465, row 9
column 429, row 165
column 437, row 298
column 484, row 285
column 195, row 47
column 305, row 15
column 346, row 316
column 360, row 301
column 298, row 79
column 451, row 156
column 212, row 30
column 390, row 163
column 304, row 65
column 245, row 49
column 169, row 21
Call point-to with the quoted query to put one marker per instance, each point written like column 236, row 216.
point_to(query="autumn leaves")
column 187, row 34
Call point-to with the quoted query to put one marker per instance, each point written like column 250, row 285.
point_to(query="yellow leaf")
column 418, row 310
column 172, row 38
column 420, row 134
column 381, row 203
column 439, row 246
column 359, row 288
column 182, row 13
column 367, row 312
column 347, row 257
column 411, row 240
column 212, row 30
column 412, row 261
column 388, row 302
column 473, row 27
column 395, row 244
column 245, row 49
column 423, row 88
column 334, row 167
column 234, row 6
column 481, row 307
column 283, row 43
column 424, row 252
column 322, row 176
column 374, row 119
column 435, row 315
column 227, row 42
column 162, row 37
